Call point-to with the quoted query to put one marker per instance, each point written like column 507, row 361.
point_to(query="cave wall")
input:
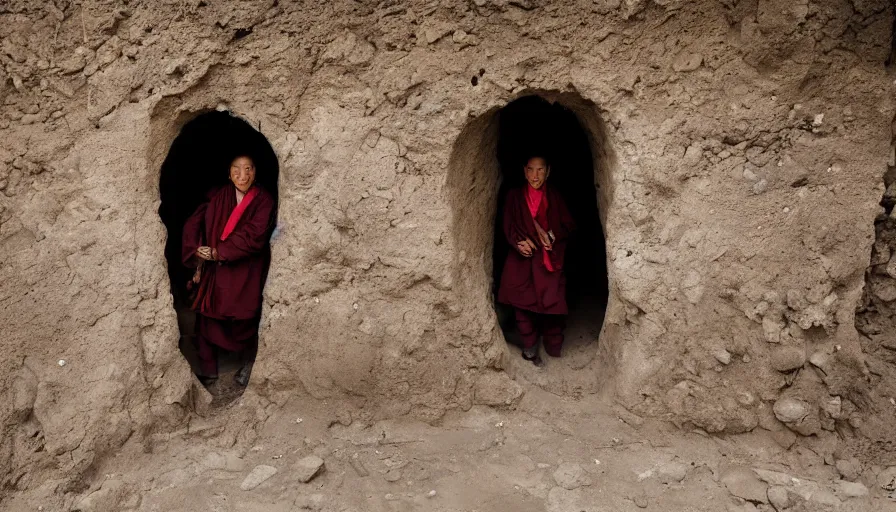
column 746, row 144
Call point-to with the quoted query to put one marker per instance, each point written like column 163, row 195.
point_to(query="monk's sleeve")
column 250, row 238
column 193, row 236
column 511, row 233
column 567, row 224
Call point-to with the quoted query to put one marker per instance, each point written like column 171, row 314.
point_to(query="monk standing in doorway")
column 537, row 225
column 227, row 241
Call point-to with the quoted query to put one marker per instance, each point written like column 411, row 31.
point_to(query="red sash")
column 202, row 302
column 537, row 202
column 238, row 212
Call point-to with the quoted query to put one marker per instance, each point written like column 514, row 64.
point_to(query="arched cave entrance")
column 533, row 125
column 486, row 163
column 199, row 160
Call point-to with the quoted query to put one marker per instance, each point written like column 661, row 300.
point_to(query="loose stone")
column 672, row 472
column 785, row 359
column 257, row 476
column 778, row 497
column 743, row 483
column 852, row 489
column 308, row 468
column 722, row 356
column 790, row 410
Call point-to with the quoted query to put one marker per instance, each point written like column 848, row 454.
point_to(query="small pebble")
column 722, row 356
column 786, row 209
column 432, row 493
column 61, row 362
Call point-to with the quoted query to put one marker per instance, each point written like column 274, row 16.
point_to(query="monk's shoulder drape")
column 527, row 283
column 234, row 283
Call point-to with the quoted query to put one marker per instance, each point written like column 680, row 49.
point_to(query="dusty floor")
column 573, row 374
column 550, row 454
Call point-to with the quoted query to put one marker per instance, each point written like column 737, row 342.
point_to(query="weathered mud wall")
column 741, row 148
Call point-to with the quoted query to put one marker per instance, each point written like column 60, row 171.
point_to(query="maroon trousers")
column 550, row 327
column 214, row 335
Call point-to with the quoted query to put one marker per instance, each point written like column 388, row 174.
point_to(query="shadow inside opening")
column 198, row 161
column 532, row 125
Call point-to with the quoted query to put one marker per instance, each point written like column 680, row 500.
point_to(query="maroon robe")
column 526, row 283
column 230, row 289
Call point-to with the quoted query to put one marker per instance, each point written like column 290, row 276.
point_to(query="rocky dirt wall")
column 742, row 146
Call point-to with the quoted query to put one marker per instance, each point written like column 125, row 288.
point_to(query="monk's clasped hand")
column 545, row 241
column 205, row 253
column 525, row 247
column 544, row 238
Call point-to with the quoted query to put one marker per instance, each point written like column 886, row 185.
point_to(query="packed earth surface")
column 732, row 343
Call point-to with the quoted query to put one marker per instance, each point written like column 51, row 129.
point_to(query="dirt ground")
column 551, row 453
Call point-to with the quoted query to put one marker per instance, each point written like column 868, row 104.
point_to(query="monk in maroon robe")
column 227, row 240
column 537, row 225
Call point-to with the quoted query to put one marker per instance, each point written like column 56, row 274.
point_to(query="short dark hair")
column 537, row 154
column 242, row 155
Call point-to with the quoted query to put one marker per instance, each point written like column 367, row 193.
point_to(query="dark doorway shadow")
column 198, row 161
column 533, row 124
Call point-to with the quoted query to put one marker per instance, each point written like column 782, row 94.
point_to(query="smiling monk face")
column 242, row 173
column 537, row 172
